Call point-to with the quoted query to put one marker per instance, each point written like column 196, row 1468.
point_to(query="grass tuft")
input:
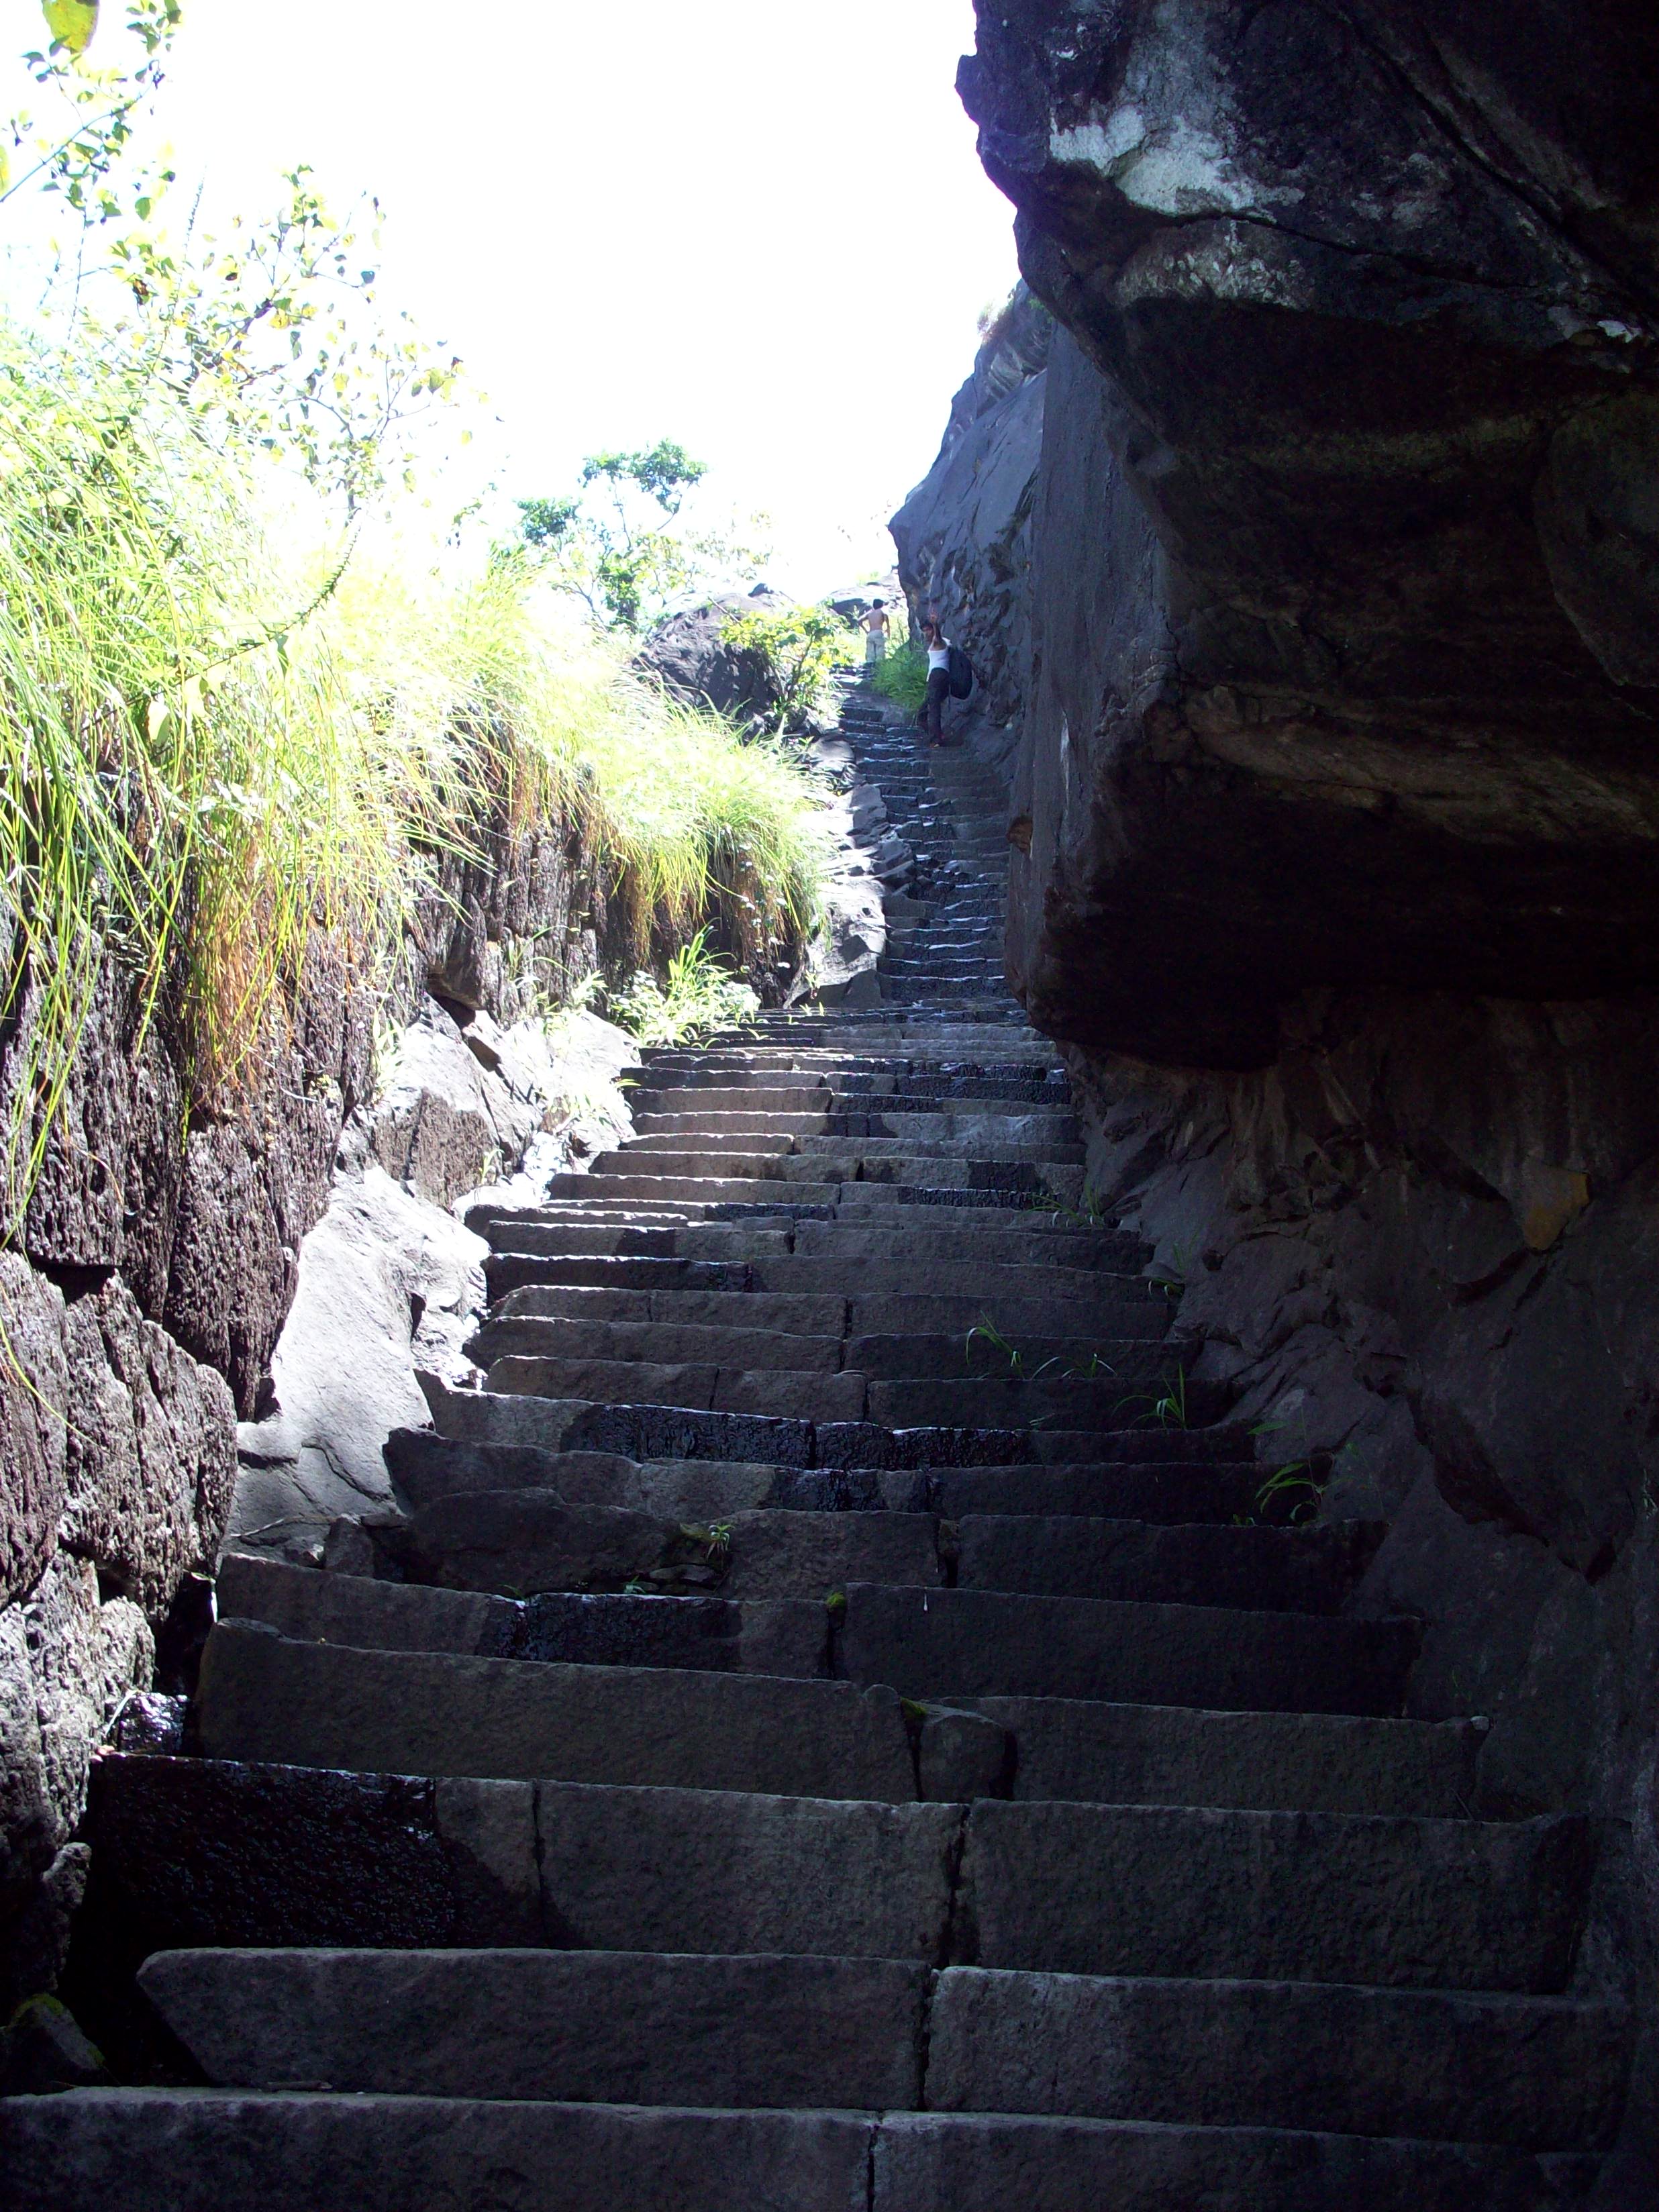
column 223, row 726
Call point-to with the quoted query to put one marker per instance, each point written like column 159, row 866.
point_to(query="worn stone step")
column 808, row 1316
column 1306, row 1896
column 426, row 1466
column 1053, row 1402
column 505, row 1272
column 1538, row 2073
column 1126, row 1754
column 992, row 1241
column 657, row 1431
column 728, row 1189
column 1261, row 1570
column 772, row 1393
column 588, row 2026
column 1169, row 1493
column 661, row 1343
column 1137, row 1313
column 985, row 2163
column 309, row 1856
column 963, row 1355
column 182, row 2150
column 519, row 1541
column 1049, row 1747
column 556, row 1237
column 264, row 1697
column 968, row 1643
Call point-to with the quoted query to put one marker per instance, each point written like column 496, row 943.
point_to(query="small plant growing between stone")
column 698, row 996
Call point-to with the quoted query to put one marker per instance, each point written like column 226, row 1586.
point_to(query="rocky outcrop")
column 963, row 535
column 1333, row 828
column 690, row 656
column 1345, row 650
column 391, row 1281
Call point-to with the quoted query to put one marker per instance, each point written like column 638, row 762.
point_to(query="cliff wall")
column 145, row 1285
column 1335, row 793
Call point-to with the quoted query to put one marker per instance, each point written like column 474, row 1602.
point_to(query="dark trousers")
column 932, row 714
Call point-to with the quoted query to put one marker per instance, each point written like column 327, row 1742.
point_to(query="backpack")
column 961, row 670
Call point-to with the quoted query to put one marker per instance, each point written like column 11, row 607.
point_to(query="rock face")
column 1334, row 810
column 963, row 535
column 1346, row 581
column 145, row 1283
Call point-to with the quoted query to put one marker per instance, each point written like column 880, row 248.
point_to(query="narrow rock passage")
column 799, row 1753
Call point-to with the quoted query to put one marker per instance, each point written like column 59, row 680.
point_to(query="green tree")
column 619, row 542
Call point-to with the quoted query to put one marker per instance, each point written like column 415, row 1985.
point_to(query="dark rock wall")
column 1372, row 289
column 141, row 1294
column 1336, row 794
column 963, row 535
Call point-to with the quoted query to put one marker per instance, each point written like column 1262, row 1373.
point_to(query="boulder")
column 688, row 656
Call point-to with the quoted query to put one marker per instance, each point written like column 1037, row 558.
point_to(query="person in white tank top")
column 938, row 680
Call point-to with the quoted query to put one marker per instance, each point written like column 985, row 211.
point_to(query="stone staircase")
column 800, row 1752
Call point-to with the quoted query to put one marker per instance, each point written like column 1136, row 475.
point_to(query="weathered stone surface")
column 620, row 2027
column 194, row 2151
column 977, row 2164
column 965, row 1643
column 32, row 1424
column 265, row 1698
column 713, row 1871
column 1545, row 2073
column 384, row 1280
column 1269, row 1896
column 150, row 1460
column 963, row 535
column 434, row 1129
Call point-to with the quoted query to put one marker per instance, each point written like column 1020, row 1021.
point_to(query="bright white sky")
column 756, row 226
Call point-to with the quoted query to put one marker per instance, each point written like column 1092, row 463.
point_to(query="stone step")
column 652, row 1431
column 995, row 1287
column 1311, row 1570
column 927, row 2160
column 311, row 1856
column 1130, row 1362
column 1048, row 1748
column 268, row 1699
column 1406, row 1903
column 776, row 1392
column 1062, row 1748
column 1538, row 2073
column 1046, row 1888
column 655, row 1343
column 1135, row 1318
column 519, row 1541
column 772, row 1393
column 587, row 2026
column 973, row 1642
column 1167, row 1494
column 1089, row 1751
column 182, row 2150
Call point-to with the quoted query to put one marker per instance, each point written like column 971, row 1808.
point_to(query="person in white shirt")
column 875, row 635
column 938, row 680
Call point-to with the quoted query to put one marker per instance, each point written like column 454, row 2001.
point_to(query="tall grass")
column 902, row 676
column 218, row 731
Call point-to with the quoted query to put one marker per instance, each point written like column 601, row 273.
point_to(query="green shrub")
column 902, row 676
column 698, row 997
column 802, row 648
column 218, row 731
